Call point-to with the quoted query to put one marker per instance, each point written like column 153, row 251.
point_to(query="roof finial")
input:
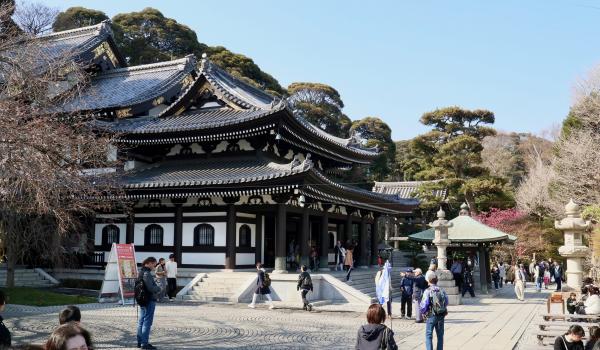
column 441, row 214
column 464, row 210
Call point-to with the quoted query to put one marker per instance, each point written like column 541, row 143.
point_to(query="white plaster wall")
column 203, row 258
column 98, row 233
column 140, row 256
column 252, row 231
column 188, row 233
column 245, row 259
column 168, row 233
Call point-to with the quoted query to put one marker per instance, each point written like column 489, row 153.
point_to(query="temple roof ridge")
column 100, row 28
column 187, row 62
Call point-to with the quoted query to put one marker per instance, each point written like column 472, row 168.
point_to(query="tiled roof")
column 199, row 119
column 465, row 229
column 124, row 87
column 206, row 172
column 406, row 189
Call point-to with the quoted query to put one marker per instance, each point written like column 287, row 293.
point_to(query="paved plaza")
column 490, row 322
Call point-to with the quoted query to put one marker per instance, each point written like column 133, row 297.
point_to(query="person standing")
column 571, row 340
column 5, row 337
column 502, row 273
column 340, row 253
column 520, row 283
column 532, row 270
column 378, row 276
column 468, row 283
column 495, row 276
column 161, row 279
column 539, row 276
column 305, row 285
column 456, row 270
column 431, row 271
column 406, row 286
column 434, row 307
column 171, row 267
column 349, row 262
column 146, row 316
column 558, row 275
column 418, row 290
column 263, row 284
column 375, row 335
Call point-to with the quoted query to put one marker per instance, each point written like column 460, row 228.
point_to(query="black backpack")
column 266, row 281
column 141, row 295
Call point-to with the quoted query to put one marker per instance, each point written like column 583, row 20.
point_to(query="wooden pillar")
column 304, row 237
column 230, row 237
column 280, row 233
column 258, row 239
column 324, row 249
column 483, row 267
column 178, row 239
column 364, row 241
column 348, row 226
column 130, row 229
column 374, row 241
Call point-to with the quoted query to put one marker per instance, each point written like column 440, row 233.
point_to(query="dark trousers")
column 457, row 279
column 406, row 305
column 558, row 284
column 495, row 284
column 171, row 287
column 304, row 300
column 349, row 272
column 468, row 287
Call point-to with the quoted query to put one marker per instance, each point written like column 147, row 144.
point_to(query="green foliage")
column 377, row 134
column 43, row 297
column 244, row 68
column 76, row 17
column 148, row 36
column 320, row 105
column 572, row 122
column 591, row 212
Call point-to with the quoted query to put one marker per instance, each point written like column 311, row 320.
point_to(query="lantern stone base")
column 446, row 282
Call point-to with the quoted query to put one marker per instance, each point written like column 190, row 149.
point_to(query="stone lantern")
column 441, row 241
column 573, row 250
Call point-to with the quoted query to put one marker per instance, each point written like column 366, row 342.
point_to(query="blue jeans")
column 436, row 322
column 538, row 283
column 145, row 322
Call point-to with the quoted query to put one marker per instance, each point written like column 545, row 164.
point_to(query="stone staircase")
column 27, row 278
column 217, row 287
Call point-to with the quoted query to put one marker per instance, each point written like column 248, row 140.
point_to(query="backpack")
column 438, row 302
column 307, row 282
column 267, row 281
column 141, row 295
column 384, row 339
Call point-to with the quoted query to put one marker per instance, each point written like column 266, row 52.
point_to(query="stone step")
column 210, row 294
column 214, row 289
column 191, row 297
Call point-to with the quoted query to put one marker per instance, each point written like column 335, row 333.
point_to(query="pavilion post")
column 280, row 235
column 304, row 237
column 573, row 227
column 324, row 249
column 483, row 267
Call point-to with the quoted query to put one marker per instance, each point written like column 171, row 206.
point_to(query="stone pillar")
column 364, row 261
column 230, row 241
column 574, row 251
column 304, row 237
column 280, row 235
column 441, row 241
column 324, row 249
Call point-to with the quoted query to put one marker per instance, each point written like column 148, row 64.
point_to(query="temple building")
column 219, row 172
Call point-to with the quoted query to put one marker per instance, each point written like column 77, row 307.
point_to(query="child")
column 546, row 279
column 572, row 303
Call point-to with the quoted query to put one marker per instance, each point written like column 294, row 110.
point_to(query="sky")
column 399, row 59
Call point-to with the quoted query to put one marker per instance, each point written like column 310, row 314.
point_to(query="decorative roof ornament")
column 355, row 139
column 295, row 162
column 307, row 163
column 464, row 210
column 441, row 214
column 572, row 209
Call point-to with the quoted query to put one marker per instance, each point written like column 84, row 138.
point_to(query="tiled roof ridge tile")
column 100, row 28
column 181, row 64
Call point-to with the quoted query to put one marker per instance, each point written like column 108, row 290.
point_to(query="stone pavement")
column 481, row 323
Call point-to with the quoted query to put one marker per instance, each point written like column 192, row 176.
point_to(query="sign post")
column 120, row 274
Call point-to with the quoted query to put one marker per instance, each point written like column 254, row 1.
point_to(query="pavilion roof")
column 465, row 229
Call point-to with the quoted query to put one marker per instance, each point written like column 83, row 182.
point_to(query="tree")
column 377, row 133
column 320, row 105
column 244, row 68
column 35, row 18
column 148, row 36
column 452, row 152
column 43, row 153
column 77, row 17
column 8, row 27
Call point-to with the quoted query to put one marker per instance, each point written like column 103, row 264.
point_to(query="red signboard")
column 127, row 269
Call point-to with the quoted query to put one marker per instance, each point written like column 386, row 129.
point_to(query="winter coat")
column 419, row 288
column 349, row 261
column 468, row 277
column 304, row 281
column 495, row 275
column 260, row 288
column 406, row 284
column 369, row 337
column 150, row 283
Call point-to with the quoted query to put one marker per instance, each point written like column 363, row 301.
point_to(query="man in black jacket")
column 468, row 283
column 147, row 311
column 5, row 338
column 304, row 286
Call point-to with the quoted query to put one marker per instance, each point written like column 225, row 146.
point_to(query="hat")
column 409, row 270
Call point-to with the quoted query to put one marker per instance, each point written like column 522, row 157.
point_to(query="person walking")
column 378, row 276
column 495, row 276
column 171, row 267
column 468, row 283
column 571, row 340
column 406, row 286
column 340, row 254
column 375, row 334
column 161, row 279
column 146, row 316
column 349, row 262
column 539, row 276
column 520, row 283
column 263, row 284
column 502, row 273
column 558, row 275
column 456, row 270
column 434, row 306
column 5, row 337
column 304, row 285
column 418, row 289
